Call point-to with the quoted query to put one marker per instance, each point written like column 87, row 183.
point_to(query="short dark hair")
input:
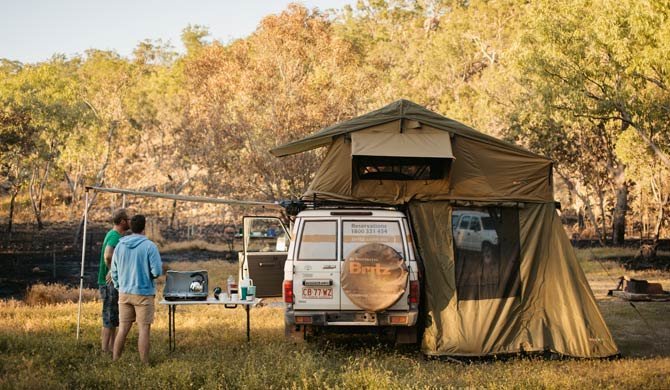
column 119, row 215
column 137, row 223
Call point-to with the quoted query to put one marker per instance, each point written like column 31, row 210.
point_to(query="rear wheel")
column 406, row 335
column 294, row 333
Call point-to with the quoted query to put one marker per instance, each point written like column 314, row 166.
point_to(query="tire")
column 374, row 277
column 294, row 333
column 406, row 335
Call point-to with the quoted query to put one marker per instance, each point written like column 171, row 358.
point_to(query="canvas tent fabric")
column 483, row 168
column 541, row 300
column 555, row 310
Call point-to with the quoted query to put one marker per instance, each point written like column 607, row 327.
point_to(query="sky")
column 34, row 30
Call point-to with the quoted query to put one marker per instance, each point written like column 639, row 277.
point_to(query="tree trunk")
column 174, row 212
column 659, row 222
column 36, row 194
column 603, row 222
column 11, row 210
column 588, row 209
column 619, row 215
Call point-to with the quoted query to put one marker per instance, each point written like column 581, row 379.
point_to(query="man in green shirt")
column 108, row 294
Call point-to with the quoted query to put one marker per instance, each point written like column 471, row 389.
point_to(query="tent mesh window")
column 400, row 168
column 487, row 252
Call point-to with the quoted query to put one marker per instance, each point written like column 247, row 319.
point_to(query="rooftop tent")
column 500, row 275
column 455, row 161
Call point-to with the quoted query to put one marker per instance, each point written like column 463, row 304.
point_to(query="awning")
column 409, row 144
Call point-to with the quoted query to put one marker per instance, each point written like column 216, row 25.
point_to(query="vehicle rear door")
column 316, row 275
column 266, row 242
column 358, row 232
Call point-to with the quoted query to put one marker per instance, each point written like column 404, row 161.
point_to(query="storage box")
column 186, row 286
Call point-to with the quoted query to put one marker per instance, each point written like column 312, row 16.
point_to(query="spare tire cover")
column 374, row 276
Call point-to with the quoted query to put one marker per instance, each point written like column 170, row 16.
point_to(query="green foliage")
column 569, row 79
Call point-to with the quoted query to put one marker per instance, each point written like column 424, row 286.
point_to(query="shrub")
column 50, row 294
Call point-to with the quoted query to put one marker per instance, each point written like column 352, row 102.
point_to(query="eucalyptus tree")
column 600, row 67
column 290, row 77
column 45, row 95
column 17, row 139
column 652, row 181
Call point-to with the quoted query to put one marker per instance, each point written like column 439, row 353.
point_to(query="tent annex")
column 500, row 275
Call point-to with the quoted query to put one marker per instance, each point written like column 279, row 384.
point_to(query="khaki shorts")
column 136, row 308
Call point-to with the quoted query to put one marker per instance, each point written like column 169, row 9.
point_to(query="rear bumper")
column 351, row 318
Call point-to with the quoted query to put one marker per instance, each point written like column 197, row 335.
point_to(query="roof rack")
column 293, row 207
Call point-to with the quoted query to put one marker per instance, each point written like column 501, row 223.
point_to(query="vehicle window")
column 465, row 221
column 410, row 240
column 401, row 168
column 358, row 233
column 265, row 234
column 487, row 264
column 454, row 221
column 318, row 241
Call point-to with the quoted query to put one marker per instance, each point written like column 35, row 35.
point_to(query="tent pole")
column 123, row 202
column 83, row 257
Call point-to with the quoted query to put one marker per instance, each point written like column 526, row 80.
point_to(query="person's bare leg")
column 104, row 339
column 112, row 338
column 143, row 341
column 120, row 341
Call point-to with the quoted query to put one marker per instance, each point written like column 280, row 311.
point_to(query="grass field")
column 38, row 349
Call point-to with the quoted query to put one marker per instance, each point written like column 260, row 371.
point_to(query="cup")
column 233, row 297
column 251, row 293
column 244, row 290
column 224, row 297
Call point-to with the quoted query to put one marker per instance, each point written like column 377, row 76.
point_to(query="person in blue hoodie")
column 135, row 264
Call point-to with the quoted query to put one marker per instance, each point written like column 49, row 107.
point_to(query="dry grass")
column 49, row 294
column 38, row 350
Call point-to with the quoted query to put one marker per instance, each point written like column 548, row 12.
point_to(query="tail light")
column 288, row 291
column 413, row 291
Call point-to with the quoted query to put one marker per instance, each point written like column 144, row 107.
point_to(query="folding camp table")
column 228, row 304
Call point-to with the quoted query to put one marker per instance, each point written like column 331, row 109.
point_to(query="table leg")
column 248, row 327
column 171, row 327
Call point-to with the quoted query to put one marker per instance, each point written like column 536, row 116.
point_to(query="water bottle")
column 229, row 284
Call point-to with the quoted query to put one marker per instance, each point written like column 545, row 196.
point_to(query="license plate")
column 317, row 293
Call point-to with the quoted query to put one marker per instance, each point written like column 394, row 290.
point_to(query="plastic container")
column 244, row 288
column 231, row 285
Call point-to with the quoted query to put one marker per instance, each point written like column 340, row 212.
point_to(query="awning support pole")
column 83, row 258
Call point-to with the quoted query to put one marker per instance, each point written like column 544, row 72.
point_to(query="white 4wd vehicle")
column 349, row 267
column 475, row 231
column 343, row 267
